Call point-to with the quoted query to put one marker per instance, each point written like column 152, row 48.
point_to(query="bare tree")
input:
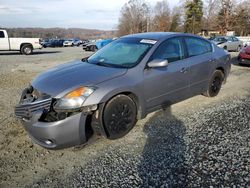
column 134, row 17
column 224, row 17
column 211, row 10
column 176, row 20
column 162, row 16
column 241, row 18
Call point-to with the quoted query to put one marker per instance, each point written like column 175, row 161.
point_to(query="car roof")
column 152, row 35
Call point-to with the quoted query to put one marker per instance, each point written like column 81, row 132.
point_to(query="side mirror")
column 158, row 63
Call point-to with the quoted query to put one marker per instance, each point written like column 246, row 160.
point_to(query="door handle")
column 184, row 70
column 212, row 60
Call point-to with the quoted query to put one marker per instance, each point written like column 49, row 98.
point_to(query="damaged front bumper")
column 59, row 134
column 51, row 129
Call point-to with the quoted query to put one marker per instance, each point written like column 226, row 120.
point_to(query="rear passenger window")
column 1, row 34
column 171, row 49
column 196, row 46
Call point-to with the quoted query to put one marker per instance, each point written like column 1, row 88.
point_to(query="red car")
column 244, row 56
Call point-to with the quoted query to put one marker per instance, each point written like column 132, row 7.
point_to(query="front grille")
column 26, row 110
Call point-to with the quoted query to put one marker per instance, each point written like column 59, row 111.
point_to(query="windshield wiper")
column 103, row 64
column 85, row 59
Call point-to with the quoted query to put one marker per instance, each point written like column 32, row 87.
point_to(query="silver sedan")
column 106, row 93
column 228, row 43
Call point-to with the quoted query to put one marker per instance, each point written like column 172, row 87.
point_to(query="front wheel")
column 214, row 84
column 119, row 116
column 27, row 49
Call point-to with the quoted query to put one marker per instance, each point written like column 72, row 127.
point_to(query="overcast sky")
column 96, row 14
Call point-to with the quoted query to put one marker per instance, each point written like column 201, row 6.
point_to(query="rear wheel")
column 119, row 116
column 27, row 49
column 214, row 84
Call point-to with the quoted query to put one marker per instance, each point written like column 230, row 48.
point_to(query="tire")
column 214, row 84
column 225, row 47
column 119, row 116
column 93, row 48
column 27, row 49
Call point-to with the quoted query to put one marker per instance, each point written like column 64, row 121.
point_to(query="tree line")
column 191, row 16
column 59, row 33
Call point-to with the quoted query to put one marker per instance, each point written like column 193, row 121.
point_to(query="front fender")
column 104, row 93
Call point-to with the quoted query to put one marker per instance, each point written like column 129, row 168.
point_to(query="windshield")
column 220, row 39
column 124, row 53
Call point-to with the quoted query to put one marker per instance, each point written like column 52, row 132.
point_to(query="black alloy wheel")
column 215, row 84
column 119, row 116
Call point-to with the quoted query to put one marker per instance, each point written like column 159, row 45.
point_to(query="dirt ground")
column 24, row 164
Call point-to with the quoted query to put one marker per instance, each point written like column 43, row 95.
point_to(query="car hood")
column 74, row 74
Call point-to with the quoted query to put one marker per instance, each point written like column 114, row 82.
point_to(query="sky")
column 91, row 14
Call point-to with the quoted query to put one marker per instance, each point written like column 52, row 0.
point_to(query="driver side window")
column 171, row 50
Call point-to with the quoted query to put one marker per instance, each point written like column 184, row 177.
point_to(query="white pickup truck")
column 24, row 45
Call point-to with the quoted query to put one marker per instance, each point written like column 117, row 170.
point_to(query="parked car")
column 244, row 56
column 228, row 43
column 46, row 43
column 24, row 45
column 67, row 43
column 43, row 41
column 106, row 93
column 84, row 44
column 77, row 42
column 90, row 46
column 97, row 45
column 53, row 43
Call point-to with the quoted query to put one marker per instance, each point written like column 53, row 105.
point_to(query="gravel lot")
column 199, row 142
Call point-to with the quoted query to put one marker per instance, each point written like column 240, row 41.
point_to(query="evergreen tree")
column 193, row 16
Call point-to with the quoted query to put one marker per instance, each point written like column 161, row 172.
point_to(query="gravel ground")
column 199, row 142
column 206, row 147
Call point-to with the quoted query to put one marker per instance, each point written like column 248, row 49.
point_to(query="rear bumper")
column 60, row 134
column 37, row 46
column 243, row 60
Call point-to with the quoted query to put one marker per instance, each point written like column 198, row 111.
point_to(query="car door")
column 167, row 85
column 201, row 62
column 4, row 41
column 231, row 44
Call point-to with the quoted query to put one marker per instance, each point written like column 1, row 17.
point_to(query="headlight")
column 73, row 100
